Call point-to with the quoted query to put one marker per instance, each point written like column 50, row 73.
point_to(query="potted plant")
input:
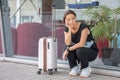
column 107, row 24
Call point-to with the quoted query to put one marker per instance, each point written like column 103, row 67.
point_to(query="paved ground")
column 15, row 71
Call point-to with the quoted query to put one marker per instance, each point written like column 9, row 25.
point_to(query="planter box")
column 106, row 52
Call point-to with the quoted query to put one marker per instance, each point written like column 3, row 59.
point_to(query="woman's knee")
column 80, row 50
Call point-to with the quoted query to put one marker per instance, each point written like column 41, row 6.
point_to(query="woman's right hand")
column 65, row 55
column 67, row 24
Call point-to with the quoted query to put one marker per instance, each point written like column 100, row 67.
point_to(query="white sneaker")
column 75, row 71
column 85, row 72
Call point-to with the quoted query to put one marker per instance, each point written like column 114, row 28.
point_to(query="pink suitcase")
column 47, row 55
column 47, row 52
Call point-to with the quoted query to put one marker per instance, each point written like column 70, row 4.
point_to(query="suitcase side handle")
column 48, row 45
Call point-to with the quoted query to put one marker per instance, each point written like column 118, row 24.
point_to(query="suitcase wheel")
column 55, row 69
column 39, row 72
column 50, row 71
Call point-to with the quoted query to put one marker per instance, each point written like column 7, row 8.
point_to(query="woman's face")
column 70, row 20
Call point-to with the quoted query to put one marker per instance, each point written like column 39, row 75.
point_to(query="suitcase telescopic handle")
column 53, row 21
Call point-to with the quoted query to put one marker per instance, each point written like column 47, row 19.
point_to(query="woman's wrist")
column 68, row 49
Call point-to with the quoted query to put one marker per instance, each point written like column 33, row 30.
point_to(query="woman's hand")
column 65, row 55
column 67, row 25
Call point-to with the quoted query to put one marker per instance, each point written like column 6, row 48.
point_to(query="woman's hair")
column 68, row 12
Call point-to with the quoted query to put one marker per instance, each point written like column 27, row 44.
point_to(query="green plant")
column 107, row 23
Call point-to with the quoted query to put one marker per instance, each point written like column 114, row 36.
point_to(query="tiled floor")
column 15, row 71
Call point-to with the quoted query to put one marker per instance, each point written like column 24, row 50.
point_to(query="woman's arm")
column 67, row 42
column 67, row 37
column 82, row 41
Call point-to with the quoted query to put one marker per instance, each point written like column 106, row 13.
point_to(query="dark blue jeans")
column 81, row 55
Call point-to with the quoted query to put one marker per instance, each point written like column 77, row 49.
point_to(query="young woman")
column 80, row 45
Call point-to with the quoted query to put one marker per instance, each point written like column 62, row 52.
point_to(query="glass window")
column 32, row 20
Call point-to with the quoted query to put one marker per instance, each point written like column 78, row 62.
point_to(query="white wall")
column 110, row 3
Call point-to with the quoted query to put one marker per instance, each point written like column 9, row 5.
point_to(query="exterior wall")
column 110, row 3
column 28, row 11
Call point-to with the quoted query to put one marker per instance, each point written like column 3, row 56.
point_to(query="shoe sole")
column 84, row 76
column 74, row 74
